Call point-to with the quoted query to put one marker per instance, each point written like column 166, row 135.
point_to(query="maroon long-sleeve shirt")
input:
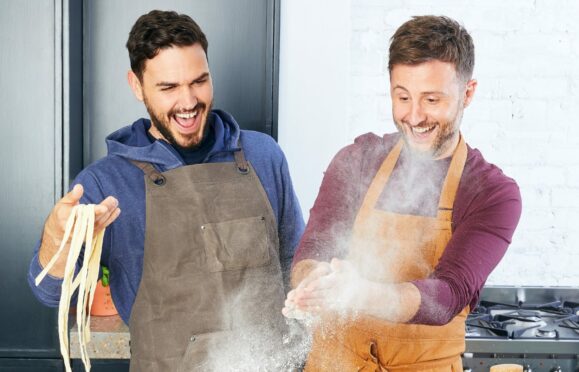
column 485, row 214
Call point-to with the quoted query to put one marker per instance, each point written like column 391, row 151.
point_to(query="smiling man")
column 408, row 226
column 210, row 219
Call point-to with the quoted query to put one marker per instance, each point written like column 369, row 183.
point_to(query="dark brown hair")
column 158, row 30
column 426, row 38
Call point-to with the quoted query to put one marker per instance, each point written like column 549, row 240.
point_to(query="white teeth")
column 422, row 130
column 187, row 116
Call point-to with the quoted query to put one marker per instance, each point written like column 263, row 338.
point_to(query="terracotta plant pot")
column 103, row 302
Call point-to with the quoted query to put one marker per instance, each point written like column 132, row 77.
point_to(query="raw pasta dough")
column 82, row 221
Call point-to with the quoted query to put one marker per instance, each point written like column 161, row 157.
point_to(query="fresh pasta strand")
column 81, row 224
column 82, row 289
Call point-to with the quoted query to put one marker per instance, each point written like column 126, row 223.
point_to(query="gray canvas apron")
column 211, row 290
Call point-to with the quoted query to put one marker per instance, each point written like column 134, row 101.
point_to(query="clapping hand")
column 336, row 286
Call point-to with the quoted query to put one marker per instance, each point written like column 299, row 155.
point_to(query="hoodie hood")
column 132, row 143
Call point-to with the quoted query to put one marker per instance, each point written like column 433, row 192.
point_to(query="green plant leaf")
column 105, row 277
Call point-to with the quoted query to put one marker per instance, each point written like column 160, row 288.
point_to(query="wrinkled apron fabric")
column 211, row 290
column 394, row 248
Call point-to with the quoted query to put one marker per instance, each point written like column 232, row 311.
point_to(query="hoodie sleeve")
column 48, row 291
column 291, row 222
column 272, row 169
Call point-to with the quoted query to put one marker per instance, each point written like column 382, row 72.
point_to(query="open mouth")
column 423, row 132
column 187, row 122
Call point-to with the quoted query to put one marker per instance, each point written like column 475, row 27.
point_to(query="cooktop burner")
column 554, row 320
column 536, row 327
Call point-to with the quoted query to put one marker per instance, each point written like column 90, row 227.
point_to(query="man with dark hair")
column 210, row 218
column 406, row 227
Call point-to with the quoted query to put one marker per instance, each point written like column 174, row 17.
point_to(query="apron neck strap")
column 449, row 187
column 240, row 162
column 150, row 171
column 452, row 181
column 158, row 178
column 383, row 175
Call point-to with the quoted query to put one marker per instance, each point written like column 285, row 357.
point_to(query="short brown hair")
column 158, row 30
column 426, row 38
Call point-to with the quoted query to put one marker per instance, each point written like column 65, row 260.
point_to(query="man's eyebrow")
column 398, row 86
column 165, row 84
column 434, row 92
column 203, row 76
column 437, row 92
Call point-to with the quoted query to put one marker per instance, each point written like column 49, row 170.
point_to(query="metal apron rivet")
column 160, row 181
column 202, row 227
column 243, row 170
column 192, row 338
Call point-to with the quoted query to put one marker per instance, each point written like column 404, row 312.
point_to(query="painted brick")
column 533, row 219
column 541, row 197
column 544, row 175
column 367, row 62
column 566, row 218
column 369, row 85
column 572, row 177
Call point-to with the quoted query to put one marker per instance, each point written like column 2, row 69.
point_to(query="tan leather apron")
column 395, row 248
column 211, row 271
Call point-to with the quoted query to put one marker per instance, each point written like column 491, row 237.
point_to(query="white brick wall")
column 524, row 118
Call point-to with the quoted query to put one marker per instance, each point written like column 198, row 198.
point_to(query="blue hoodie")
column 114, row 175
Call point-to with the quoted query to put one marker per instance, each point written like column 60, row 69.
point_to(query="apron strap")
column 383, row 175
column 449, row 188
column 240, row 162
column 159, row 180
column 149, row 170
column 452, row 181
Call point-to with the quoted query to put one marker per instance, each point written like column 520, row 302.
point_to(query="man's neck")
column 154, row 132
column 450, row 147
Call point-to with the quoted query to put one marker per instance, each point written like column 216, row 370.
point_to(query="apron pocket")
column 203, row 351
column 236, row 244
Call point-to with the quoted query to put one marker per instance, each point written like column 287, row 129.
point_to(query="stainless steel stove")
column 537, row 327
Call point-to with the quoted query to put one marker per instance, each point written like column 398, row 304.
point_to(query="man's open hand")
column 105, row 213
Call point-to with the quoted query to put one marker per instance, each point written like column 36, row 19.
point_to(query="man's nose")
column 416, row 115
column 188, row 97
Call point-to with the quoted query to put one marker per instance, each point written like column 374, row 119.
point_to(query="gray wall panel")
column 238, row 56
column 30, row 165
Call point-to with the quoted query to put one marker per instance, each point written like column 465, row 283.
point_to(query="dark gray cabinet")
column 31, row 365
column 112, row 365
column 31, row 167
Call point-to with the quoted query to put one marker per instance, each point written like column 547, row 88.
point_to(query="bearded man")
column 408, row 226
column 210, row 218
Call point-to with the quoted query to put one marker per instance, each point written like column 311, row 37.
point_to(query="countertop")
column 110, row 338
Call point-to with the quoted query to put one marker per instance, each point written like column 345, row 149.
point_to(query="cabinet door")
column 31, row 365
column 31, row 166
column 102, row 365
column 241, row 58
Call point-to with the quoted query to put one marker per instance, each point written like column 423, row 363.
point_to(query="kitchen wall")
column 524, row 118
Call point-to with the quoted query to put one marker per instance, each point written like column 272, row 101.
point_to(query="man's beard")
column 163, row 126
column 447, row 131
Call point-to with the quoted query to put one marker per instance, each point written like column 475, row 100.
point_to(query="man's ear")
column 135, row 85
column 469, row 92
